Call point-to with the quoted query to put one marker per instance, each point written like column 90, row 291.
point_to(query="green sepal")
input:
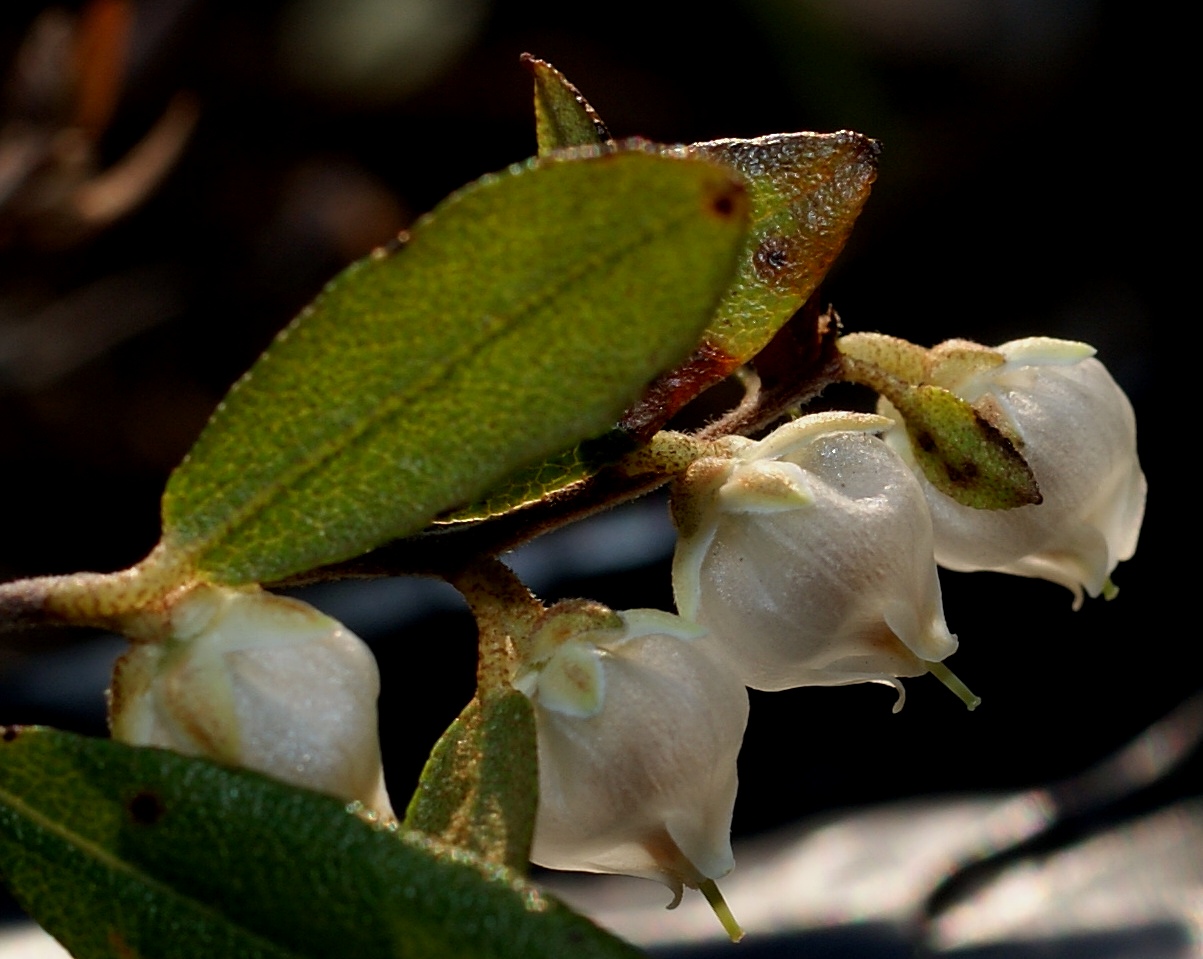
column 480, row 786
column 121, row 851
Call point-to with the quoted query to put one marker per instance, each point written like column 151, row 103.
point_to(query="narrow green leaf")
column 807, row 190
column 124, row 852
column 480, row 787
column 523, row 315
column 563, row 118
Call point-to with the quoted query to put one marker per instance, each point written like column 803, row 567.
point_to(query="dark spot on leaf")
column 780, row 261
column 925, row 441
column 724, row 204
column 146, row 809
column 10, row 733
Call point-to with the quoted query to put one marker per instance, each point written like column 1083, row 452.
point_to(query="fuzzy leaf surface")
column 120, row 852
column 807, row 190
column 522, row 316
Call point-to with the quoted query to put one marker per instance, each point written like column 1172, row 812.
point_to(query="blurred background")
column 179, row 177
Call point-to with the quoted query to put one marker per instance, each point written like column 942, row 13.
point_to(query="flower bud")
column 638, row 732
column 1076, row 429
column 808, row 558
column 256, row 680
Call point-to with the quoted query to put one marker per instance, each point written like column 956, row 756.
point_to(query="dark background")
column 1030, row 183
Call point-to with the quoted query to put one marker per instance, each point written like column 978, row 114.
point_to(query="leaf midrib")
column 386, row 411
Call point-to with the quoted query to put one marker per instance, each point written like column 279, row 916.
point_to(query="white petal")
column 1079, row 437
column 651, row 777
column 260, row 681
column 841, row 591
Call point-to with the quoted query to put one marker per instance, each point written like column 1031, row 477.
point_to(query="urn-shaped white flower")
column 807, row 557
column 261, row 681
column 638, row 733
column 1076, row 429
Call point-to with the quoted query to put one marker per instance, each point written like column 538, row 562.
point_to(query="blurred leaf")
column 480, row 787
column 124, row 852
column 807, row 190
column 563, row 118
column 526, row 313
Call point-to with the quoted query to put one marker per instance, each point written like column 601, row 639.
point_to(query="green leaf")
column 480, row 787
column 526, row 313
column 807, row 190
column 533, row 483
column 123, row 852
column 563, row 118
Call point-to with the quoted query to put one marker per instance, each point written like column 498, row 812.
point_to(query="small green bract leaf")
column 563, row 118
column 961, row 454
column 480, row 787
column 124, row 852
column 523, row 315
column 899, row 358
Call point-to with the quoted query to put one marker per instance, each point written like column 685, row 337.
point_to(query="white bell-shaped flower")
column 1076, row 429
column 807, row 557
column 261, row 681
column 638, row 733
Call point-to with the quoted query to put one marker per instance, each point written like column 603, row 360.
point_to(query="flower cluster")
column 809, row 558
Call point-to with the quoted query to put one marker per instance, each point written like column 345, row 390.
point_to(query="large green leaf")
column 526, row 313
column 807, row 190
column 124, row 852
